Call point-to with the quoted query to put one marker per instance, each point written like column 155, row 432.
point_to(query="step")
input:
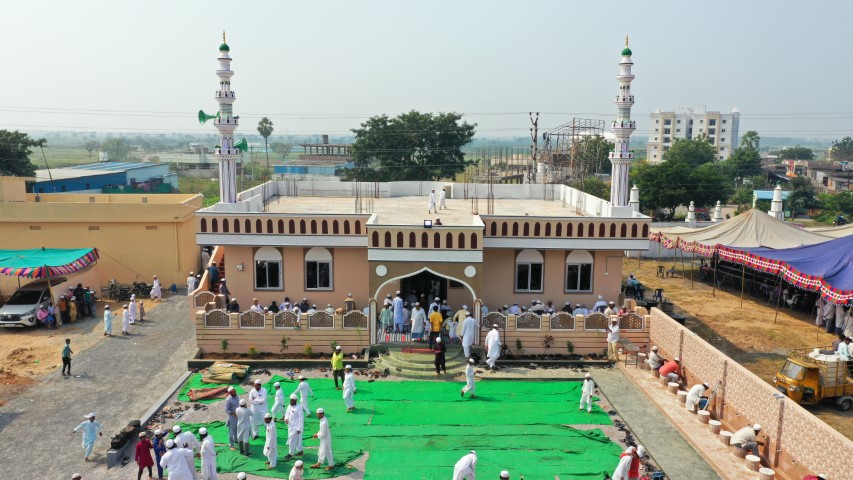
column 424, row 359
column 396, row 362
column 423, row 374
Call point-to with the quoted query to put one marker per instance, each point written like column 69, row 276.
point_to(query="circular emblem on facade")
column 381, row 270
column 470, row 271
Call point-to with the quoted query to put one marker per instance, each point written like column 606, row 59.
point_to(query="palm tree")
column 265, row 129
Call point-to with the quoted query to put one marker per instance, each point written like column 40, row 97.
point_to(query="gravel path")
column 118, row 378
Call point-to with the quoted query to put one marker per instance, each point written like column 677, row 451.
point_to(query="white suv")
column 20, row 310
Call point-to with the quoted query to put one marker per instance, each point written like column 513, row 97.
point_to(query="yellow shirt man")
column 436, row 320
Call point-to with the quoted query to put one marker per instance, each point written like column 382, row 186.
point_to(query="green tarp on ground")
column 418, row 430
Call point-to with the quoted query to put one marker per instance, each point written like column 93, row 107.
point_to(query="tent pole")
column 776, row 316
column 692, row 266
column 742, row 278
column 716, row 266
column 683, row 276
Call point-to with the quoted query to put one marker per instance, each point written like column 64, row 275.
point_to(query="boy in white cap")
column 466, row 467
column 156, row 290
column 324, row 453
column 175, row 461
column 125, row 321
column 278, row 406
column 208, row 455
column 244, row 427
column 91, row 431
column 108, row 321
column 349, row 388
column 504, row 475
column 271, row 442
column 304, row 390
column 241, row 476
column 296, row 471
column 470, row 386
column 745, row 438
column 694, row 395
column 295, row 420
column 258, row 406
column 586, row 393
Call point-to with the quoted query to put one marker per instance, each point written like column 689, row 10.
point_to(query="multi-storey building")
column 666, row 127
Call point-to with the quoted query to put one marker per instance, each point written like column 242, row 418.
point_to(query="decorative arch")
column 357, row 227
column 529, row 255
column 313, row 227
column 613, row 229
column 413, row 240
column 548, row 229
column 214, row 226
column 346, row 227
column 291, row 226
column 601, row 230
column 570, row 229
column 558, row 232
column 374, row 239
column 514, row 229
column 493, row 229
column 259, row 226
column 225, row 226
column 387, row 239
column 623, row 230
column 448, row 241
column 580, row 230
column 203, row 225
column 281, row 226
column 590, row 231
column 537, row 229
column 424, row 240
column 436, row 240
column 504, row 229
column 248, row 225
column 426, row 269
column 268, row 254
column 474, row 241
column 324, row 227
column 318, row 254
column 269, row 226
column 526, row 230
column 579, row 256
column 335, row 227
column 236, row 226
column 399, row 239
column 634, row 230
column 646, row 231
column 302, row 228
column 461, row 240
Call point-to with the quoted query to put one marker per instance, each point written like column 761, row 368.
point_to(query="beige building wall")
column 499, row 281
column 135, row 240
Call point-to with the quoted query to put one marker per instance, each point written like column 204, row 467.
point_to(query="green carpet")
column 418, row 430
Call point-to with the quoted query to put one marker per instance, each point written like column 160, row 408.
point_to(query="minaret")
column 622, row 128
column 226, row 153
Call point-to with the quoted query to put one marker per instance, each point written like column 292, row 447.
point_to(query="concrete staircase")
column 418, row 364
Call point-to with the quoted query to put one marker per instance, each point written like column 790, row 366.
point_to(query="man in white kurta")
column 493, row 346
column 244, row 427
column 294, row 417
column 258, row 406
column 655, row 361
column 278, row 405
column 466, row 467
column 587, row 389
column 208, row 456
column 297, row 471
column 324, row 452
column 270, row 442
column 185, row 439
column 91, row 430
column 304, row 391
column 693, row 396
column 624, row 466
column 432, row 202
column 189, row 460
column 470, row 386
column 469, row 332
column 613, row 340
column 418, row 318
column 125, row 321
column 190, row 283
column 132, row 309
column 156, row 289
column 441, row 195
column 108, row 321
column 349, row 388
column 174, row 461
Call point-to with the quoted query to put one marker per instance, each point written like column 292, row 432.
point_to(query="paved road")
column 119, row 379
column 664, row 443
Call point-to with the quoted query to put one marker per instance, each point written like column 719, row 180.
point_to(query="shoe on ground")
column 328, row 468
column 316, row 465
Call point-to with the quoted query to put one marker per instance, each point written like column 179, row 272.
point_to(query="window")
column 528, row 271
column 723, row 130
column 701, row 121
column 678, row 121
column 667, row 122
column 268, row 269
column 579, row 271
column 724, row 121
column 712, row 121
column 657, row 130
column 678, row 130
column 657, row 121
column 318, row 269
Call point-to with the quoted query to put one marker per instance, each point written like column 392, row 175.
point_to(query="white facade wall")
column 687, row 124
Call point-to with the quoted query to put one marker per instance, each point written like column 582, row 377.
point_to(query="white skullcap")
column 398, row 292
column 106, row 307
column 176, row 429
column 90, row 415
column 437, row 299
column 568, row 303
column 314, row 305
column 655, row 348
column 444, row 301
column 464, row 307
column 142, row 434
column 267, row 415
column 328, row 304
column 473, row 451
column 506, row 306
column 821, row 476
column 302, row 377
column 349, row 367
column 293, row 396
column 677, row 359
column 588, row 375
column 76, row 476
column 337, row 347
column 756, row 427
column 349, row 294
column 641, row 451
column 494, row 325
column 504, row 474
column 388, row 296
column 241, row 476
column 158, row 432
column 170, row 443
column 258, row 382
column 202, row 431
column 601, row 297
column 471, row 361
column 276, row 384
column 230, row 389
column 298, row 463
column 705, row 384
column 438, row 339
column 242, row 402
column 320, row 410
column 630, row 449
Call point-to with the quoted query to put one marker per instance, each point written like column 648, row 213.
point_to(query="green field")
column 418, row 430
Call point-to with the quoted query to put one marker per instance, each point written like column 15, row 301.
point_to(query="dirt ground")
column 753, row 334
column 26, row 354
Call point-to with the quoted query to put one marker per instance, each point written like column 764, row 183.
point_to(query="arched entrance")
column 426, row 281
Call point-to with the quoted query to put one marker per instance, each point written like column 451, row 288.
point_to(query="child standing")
column 66, row 357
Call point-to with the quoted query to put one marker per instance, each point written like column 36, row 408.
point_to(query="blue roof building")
column 95, row 177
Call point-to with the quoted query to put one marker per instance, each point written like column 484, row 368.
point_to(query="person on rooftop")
column 600, row 305
column 672, row 370
column 655, row 361
column 431, row 206
column 514, row 309
column 567, row 308
column 746, row 439
column 694, row 395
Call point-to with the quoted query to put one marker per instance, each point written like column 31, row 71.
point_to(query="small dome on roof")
column 625, row 52
column 224, row 48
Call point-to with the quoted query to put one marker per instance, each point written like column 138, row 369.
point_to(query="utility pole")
column 534, row 149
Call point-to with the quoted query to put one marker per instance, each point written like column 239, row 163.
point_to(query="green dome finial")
column 626, row 51
column 224, row 46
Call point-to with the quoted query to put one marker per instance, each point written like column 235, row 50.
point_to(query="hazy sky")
column 324, row 66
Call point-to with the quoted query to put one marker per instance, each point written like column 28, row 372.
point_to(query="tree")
column 117, row 148
column 593, row 186
column 709, row 185
column 743, row 197
column 91, row 145
column 592, row 155
column 695, row 151
column 796, row 153
column 265, row 129
column 841, row 202
column 15, row 153
column 802, row 196
column 750, row 140
column 675, row 182
column 842, row 151
column 410, row 146
column 281, row 148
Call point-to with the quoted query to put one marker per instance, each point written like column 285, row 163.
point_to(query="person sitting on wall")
column 567, row 307
column 437, row 222
column 233, row 306
column 672, row 370
column 745, row 438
